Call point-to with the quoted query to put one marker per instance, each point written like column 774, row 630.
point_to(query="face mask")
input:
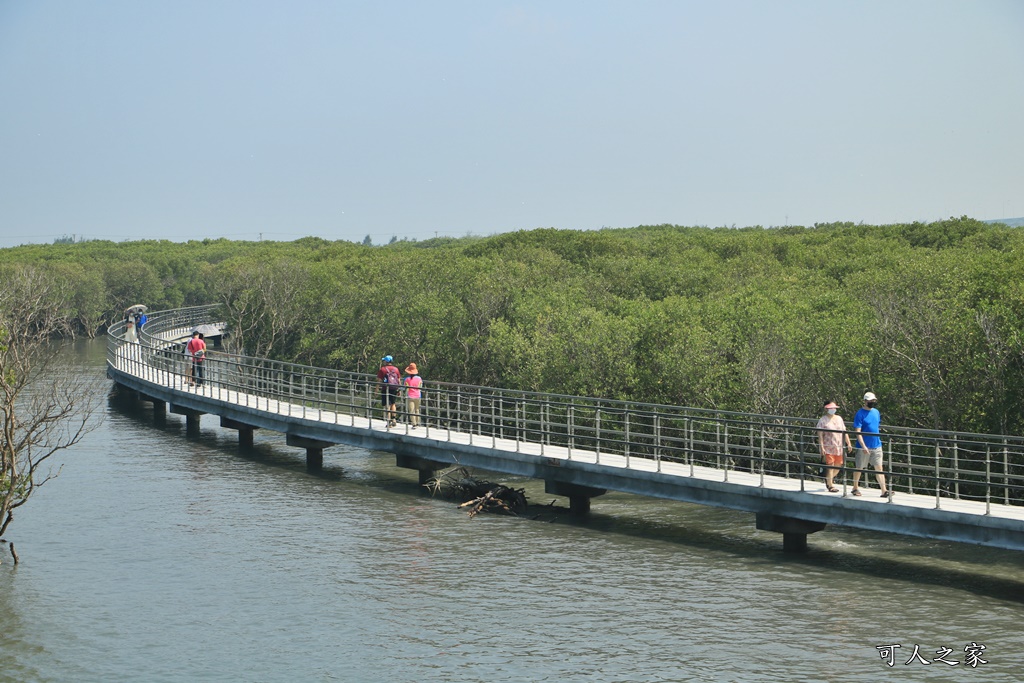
column 831, row 411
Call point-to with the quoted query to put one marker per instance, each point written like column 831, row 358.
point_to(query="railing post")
column 1006, row 473
column 938, row 504
column 657, row 441
column 494, row 424
column 988, row 479
column 910, row 468
column 890, row 481
column 803, row 462
column 687, row 442
column 368, row 403
column 727, row 456
column 626, row 447
column 543, row 424
column 501, row 416
column 762, row 456
column 718, row 445
column 597, row 435
column 750, row 449
column 519, row 425
column 956, row 468
column 351, row 402
column 570, row 430
column 689, row 452
column 789, row 450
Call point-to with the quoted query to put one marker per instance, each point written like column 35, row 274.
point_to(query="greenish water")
column 160, row 557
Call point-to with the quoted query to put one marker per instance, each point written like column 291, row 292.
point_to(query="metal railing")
column 946, row 465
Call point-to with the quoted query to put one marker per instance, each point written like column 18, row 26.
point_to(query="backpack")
column 391, row 375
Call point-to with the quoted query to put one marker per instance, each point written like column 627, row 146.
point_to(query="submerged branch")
column 477, row 495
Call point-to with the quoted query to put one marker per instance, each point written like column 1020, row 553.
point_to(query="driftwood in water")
column 478, row 495
column 13, row 553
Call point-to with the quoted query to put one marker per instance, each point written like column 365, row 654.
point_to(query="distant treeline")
column 928, row 316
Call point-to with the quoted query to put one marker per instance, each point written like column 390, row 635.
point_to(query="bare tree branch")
column 45, row 407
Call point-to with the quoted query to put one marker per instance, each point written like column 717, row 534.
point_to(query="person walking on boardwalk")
column 867, row 423
column 413, row 383
column 196, row 348
column 130, row 333
column 831, row 435
column 391, row 380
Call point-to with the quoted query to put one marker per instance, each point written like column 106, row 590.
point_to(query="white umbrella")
column 141, row 308
column 206, row 330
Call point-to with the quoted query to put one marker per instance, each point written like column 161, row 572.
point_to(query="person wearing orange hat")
column 831, row 434
column 413, row 383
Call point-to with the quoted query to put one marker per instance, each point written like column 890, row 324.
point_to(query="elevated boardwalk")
column 582, row 448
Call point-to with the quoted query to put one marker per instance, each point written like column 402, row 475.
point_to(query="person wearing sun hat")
column 867, row 423
column 413, row 382
column 831, row 434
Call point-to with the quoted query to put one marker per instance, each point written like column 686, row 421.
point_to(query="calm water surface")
column 160, row 557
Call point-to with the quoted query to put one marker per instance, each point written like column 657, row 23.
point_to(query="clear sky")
column 186, row 119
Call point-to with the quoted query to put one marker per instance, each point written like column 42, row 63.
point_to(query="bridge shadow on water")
column 987, row 572
column 213, row 439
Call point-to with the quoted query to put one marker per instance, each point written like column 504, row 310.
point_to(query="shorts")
column 871, row 455
column 388, row 395
column 834, row 460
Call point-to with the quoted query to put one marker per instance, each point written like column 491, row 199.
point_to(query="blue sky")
column 190, row 119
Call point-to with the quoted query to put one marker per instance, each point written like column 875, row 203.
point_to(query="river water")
column 161, row 556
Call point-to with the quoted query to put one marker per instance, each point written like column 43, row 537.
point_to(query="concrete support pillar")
column 794, row 531
column 314, row 450
column 579, row 496
column 159, row 408
column 245, row 431
column 579, row 505
column 314, row 459
column 191, row 418
column 794, row 543
column 426, row 468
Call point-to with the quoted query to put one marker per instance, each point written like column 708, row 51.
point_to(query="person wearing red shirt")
column 196, row 348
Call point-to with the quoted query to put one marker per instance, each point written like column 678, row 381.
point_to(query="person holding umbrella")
column 135, row 318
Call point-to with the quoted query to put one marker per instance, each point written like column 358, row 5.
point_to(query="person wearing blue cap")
column 390, row 381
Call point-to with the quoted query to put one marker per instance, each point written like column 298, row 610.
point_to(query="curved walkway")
column 583, row 447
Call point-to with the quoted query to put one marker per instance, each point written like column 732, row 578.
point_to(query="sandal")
column 833, row 489
column 856, row 492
